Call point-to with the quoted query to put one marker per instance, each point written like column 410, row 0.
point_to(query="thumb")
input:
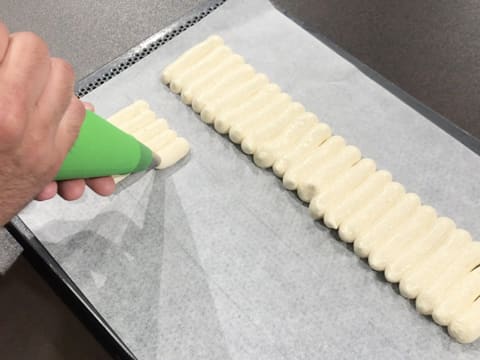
column 70, row 126
column 88, row 106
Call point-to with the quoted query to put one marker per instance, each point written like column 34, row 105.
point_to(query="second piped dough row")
column 141, row 122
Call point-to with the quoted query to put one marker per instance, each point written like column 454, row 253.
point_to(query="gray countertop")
column 90, row 33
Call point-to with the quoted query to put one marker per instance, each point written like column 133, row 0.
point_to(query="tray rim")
column 44, row 262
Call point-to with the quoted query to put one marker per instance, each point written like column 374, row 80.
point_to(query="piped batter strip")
column 415, row 250
column 225, row 120
column 297, row 172
column 210, row 77
column 305, row 145
column 440, row 290
column 420, row 220
column 260, row 134
column 234, row 98
column 386, row 226
column 141, row 122
column 359, row 197
column 428, row 268
column 189, row 58
column 271, row 109
column 128, row 113
column 341, row 187
column 465, row 326
column 286, row 140
column 265, row 102
column 462, row 295
column 211, row 59
column 226, row 84
column 324, row 174
column 360, row 221
column 430, row 258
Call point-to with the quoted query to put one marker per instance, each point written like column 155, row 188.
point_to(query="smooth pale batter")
column 305, row 145
column 162, row 139
column 210, row 78
column 324, row 174
column 357, row 198
column 322, row 153
column 270, row 110
column 190, row 57
column 415, row 249
column 128, row 112
column 259, row 134
column 141, row 122
column 233, row 99
column 362, row 219
column 173, row 152
column 276, row 147
column 153, row 129
column 431, row 259
column 465, row 326
column 420, row 221
column 229, row 82
column 203, row 65
column 385, row 227
column 226, row 119
column 460, row 296
column 341, row 187
column 428, row 268
column 439, row 290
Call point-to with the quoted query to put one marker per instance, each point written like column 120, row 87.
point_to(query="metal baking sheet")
column 213, row 259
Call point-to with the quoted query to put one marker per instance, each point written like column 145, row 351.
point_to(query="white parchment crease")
column 213, row 259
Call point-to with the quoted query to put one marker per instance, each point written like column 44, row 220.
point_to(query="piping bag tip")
column 102, row 149
column 156, row 161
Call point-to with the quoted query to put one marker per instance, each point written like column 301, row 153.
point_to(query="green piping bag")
column 102, row 149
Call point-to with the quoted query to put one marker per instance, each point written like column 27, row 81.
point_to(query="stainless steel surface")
column 9, row 250
column 90, row 33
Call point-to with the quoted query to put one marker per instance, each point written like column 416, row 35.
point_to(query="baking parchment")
column 213, row 259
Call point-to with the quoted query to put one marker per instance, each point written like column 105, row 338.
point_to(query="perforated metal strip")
column 115, row 67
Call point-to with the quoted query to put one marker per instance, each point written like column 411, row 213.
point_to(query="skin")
column 40, row 119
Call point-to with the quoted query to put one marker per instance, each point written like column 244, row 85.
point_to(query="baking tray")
column 213, row 258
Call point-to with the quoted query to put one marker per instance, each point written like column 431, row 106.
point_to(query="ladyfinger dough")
column 430, row 258
column 141, row 122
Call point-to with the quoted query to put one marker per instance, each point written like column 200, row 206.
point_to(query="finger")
column 56, row 96
column 48, row 192
column 3, row 40
column 88, row 106
column 103, row 186
column 69, row 126
column 71, row 189
column 25, row 68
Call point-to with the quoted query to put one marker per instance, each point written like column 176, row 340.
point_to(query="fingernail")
column 88, row 106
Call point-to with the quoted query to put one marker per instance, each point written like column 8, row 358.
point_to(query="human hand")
column 73, row 189
column 40, row 119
